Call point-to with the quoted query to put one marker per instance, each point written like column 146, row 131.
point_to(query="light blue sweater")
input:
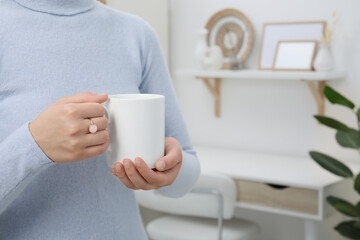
column 50, row 49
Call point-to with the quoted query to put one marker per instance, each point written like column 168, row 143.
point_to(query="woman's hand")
column 140, row 176
column 62, row 129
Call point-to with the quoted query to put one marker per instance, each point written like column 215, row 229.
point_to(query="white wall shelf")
column 315, row 80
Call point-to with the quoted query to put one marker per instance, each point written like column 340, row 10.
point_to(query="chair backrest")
column 195, row 204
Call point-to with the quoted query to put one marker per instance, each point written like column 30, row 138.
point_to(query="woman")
column 54, row 181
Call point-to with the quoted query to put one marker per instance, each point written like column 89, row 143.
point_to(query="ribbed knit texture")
column 50, row 49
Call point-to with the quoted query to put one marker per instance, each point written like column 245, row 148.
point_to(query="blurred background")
column 262, row 116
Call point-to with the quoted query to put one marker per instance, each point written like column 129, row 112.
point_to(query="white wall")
column 267, row 116
column 154, row 12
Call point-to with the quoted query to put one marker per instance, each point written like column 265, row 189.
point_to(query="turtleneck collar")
column 58, row 7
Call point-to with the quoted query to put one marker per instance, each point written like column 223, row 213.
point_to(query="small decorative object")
column 275, row 32
column 295, row 55
column 232, row 31
column 346, row 137
column 213, row 59
column 201, row 47
column 324, row 60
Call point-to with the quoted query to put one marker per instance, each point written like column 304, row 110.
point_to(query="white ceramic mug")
column 136, row 127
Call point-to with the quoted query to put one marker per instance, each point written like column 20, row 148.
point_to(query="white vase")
column 324, row 60
column 201, row 47
column 213, row 59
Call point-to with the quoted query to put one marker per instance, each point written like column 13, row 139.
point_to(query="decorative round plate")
column 232, row 31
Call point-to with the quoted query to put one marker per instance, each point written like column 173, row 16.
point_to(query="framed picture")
column 295, row 55
column 275, row 32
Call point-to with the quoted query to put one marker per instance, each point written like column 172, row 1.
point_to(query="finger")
column 157, row 179
column 85, row 97
column 150, row 176
column 100, row 122
column 120, row 173
column 94, row 139
column 134, row 176
column 90, row 110
column 94, row 151
column 173, row 155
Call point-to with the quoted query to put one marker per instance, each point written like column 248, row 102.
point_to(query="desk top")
column 276, row 169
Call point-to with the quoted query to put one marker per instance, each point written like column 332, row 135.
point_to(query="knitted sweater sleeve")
column 20, row 161
column 156, row 79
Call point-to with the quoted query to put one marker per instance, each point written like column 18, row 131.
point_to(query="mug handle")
column 107, row 115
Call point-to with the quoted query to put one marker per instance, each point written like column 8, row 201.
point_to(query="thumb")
column 85, row 97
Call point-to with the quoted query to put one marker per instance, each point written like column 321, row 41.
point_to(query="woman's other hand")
column 62, row 129
column 140, row 176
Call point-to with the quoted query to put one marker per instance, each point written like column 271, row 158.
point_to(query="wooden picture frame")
column 295, row 55
column 286, row 31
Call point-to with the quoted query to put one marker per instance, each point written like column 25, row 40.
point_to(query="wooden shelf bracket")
column 316, row 81
column 318, row 93
column 316, row 88
column 215, row 91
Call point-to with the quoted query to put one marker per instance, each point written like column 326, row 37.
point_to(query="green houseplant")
column 349, row 138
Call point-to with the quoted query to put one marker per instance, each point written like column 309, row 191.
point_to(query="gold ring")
column 92, row 127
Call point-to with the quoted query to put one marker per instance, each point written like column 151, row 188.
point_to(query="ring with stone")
column 92, row 127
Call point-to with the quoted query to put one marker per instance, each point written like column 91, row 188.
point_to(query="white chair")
column 206, row 213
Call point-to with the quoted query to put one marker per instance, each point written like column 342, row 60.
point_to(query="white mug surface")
column 136, row 127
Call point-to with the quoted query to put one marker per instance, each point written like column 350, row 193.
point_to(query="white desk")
column 304, row 184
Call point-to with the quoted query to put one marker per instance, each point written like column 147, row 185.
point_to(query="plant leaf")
column 330, row 122
column 358, row 114
column 348, row 230
column 336, row 98
column 331, row 164
column 357, row 187
column 343, row 206
column 349, row 138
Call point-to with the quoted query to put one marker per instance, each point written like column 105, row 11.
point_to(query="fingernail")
column 118, row 168
column 103, row 95
column 137, row 162
column 161, row 165
column 112, row 171
column 126, row 163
